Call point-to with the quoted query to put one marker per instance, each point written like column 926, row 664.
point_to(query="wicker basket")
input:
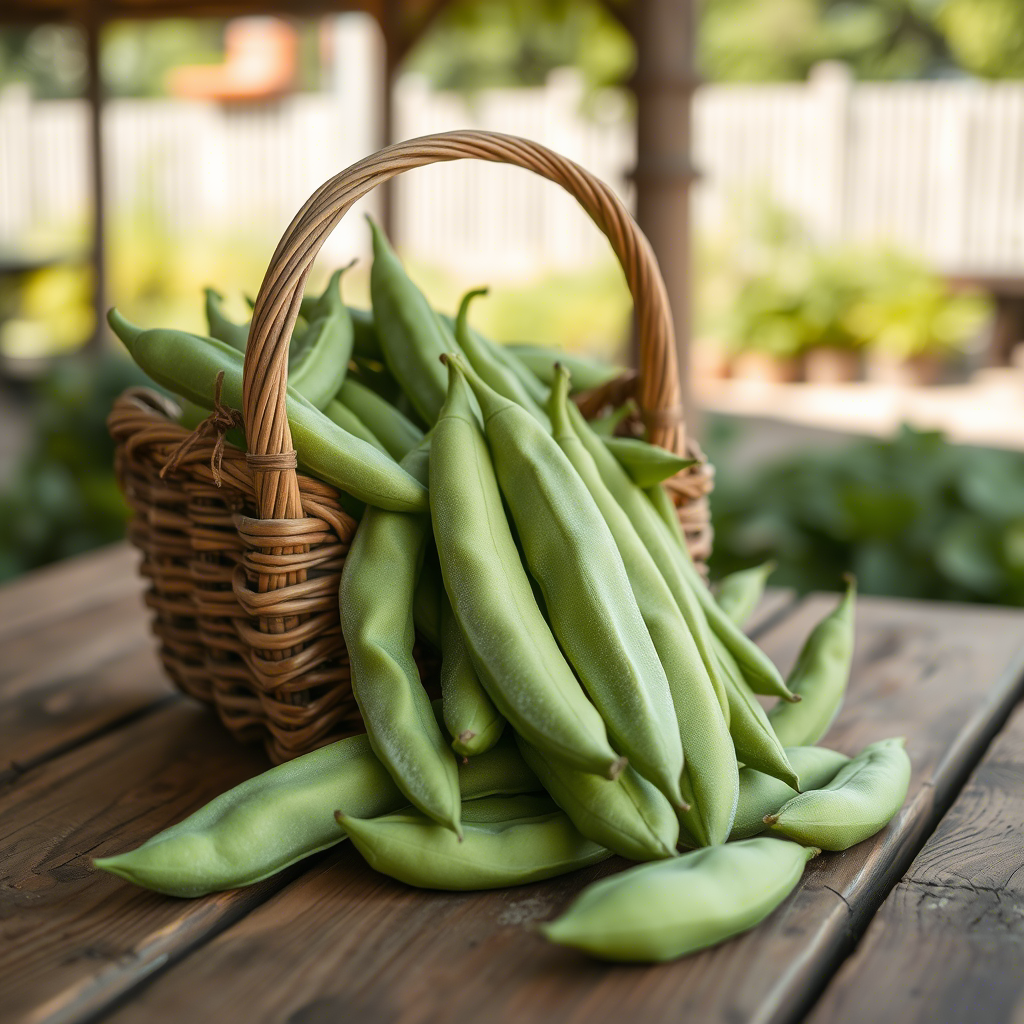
column 243, row 554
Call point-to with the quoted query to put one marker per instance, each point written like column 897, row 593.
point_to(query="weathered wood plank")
column 63, row 682
column 948, row 943
column 342, row 942
column 73, row 939
column 56, row 591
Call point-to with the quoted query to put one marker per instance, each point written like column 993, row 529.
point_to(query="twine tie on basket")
column 219, row 422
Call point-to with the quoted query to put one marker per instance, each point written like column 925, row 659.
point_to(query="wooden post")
column 92, row 25
column 664, row 84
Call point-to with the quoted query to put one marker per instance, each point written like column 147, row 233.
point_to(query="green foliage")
column 62, row 498
column 487, row 43
column 770, row 288
column 911, row 517
column 986, row 36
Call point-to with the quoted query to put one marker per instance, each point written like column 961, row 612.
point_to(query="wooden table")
column 97, row 753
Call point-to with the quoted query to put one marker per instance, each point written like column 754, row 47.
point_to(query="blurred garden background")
column 857, row 273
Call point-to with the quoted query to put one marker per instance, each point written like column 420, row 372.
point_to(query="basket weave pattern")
column 243, row 554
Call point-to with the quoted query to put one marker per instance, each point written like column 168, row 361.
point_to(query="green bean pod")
column 628, row 815
column 761, row 794
column 709, row 769
column 278, row 818
column 819, row 677
column 188, row 365
column 472, row 720
column 609, row 422
column 757, row 668
column 318, row 374
column 412, row 336
column 572, row 555
column 756, row 743
column 647, row 464
column 515, row 654
column 220, row 325
column 739, row 593
column 364, row 333
column 657, row 540
column 662, row 911
column 489, row 367
column 860, row 801
column 375, row 376
column 494, row 853
column 375, row 599
column 395, row 432
column 586, row 373
column 344, row 417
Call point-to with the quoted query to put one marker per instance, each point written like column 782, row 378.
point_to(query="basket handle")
column 265, row 377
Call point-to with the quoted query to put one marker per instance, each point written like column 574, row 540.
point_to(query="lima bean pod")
column 489, row 367
column 761, row 675
column 819, row 677
column 494, row 853
column 189, row 365
column 647, row 464
column 755, row 741
column 586, row 373
column 628, row 815
column 412, row 336
column 657, row 540
column 572, row 555
column 761, row 794
column 709, row 759
column 398, row 434
column 375, row 598
column 513, row 649
column 662, row 911
column 861, row 800
column 276, row 819
column 740, row 593
column 472, row 720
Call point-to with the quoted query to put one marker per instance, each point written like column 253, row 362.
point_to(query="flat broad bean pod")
column 861, row 800
column 819, row 677
column 344, row 417
column 761, row 675
column 657, row 540
column 647, row 464
column 276, row 819
column 662, row 911
column 504, row 851
column 755, row 741
column 586, row 373
column 709, row 771
column 489, row 367
column 572, row 555
column 761, row 794
column 472, row 720
column 412, row 336
column 739, row 593
column 398, row 434
column 628, row 815
column 189, row 365
column 515, row 654
column 375, row 598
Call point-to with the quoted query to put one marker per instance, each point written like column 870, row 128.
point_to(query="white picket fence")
column 936, row 168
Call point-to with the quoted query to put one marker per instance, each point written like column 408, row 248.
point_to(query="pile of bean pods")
column 596, row 697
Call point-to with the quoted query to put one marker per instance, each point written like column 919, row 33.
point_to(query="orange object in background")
column 261, row 57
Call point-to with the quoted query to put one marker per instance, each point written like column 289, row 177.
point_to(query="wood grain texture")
column 93, row 664
column 48, row 595
column 72, row 938
column 343, row 942
column 948, row 943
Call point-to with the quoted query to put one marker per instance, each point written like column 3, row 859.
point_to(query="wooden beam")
column 664, row 84
column 93, row 27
